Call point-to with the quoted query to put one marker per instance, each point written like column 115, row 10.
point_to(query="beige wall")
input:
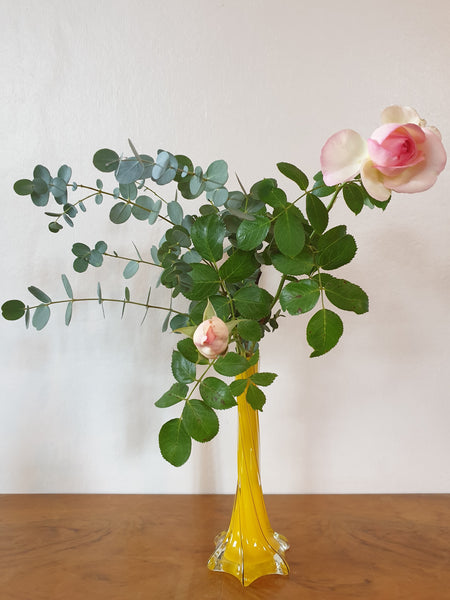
column 254, row 83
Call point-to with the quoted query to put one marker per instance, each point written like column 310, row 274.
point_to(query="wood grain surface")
column 132, row 547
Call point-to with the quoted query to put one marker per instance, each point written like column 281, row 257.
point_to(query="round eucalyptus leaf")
column 13, row 310
column 23, row 187
column 143, row 208
column 39, row 186
column 40, row 199
column 42, row 172
column 120, row 213
column 106, row 160
column 54, row 227
column 129, row 171
column 65, row 173
column 131, row 269
column 58, row 187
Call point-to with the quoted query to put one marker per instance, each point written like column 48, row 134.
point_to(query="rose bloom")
column 211, row 338
column 402, row 155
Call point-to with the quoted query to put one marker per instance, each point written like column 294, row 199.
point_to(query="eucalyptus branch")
column 146, row 262
column 100, row 301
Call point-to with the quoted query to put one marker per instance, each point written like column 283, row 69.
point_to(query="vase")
column 249, row 548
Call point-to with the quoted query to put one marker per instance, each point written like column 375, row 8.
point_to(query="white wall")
column 254, row 83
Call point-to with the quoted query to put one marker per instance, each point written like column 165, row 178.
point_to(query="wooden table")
column 132, row 547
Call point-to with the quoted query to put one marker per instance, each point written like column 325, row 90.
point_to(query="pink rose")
column 211, row 337
column 402, row 155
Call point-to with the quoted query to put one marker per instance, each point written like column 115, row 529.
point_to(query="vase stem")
column 250, row 548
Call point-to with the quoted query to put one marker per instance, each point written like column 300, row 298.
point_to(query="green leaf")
column 237, row 387
column 68, row 315
column 353, row 196
column 80, row 264
column 216, row 175
column 338, row 254
column 255, row 397
column 142, row 208
column 292, row 172
column 299, row 296
column 320, row 189
column 189, row 350
column 64, row 173
column 345, row 295
column 323, row 331
column 251, row 234
column 250, row 330
column 216, row 393
column 263, row 378
column 131, row 269
column 67, row 286
column 23, row 187
column 302, row 264
column 200, row 420
column 13, row 310
column 231, row 364
column 120, row 213
column 174, row 442
column 183, row 370
column 175, row 212
column 40, row 317
column 41, row 172
column 129, row 170
column 39, row 294
column 101, row 247
column 205, row 282
column 253, row 302
column 81, row 250
column 238, row 267
column 54, row 227
column 106, row 160
column 175, row 394
column 317, row 213
column 207, row 234
column 288, row 231
column 58, row 187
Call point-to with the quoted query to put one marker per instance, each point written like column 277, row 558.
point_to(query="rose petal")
column 342, row 156
column 422, row 176
column 372, row 180
column 401, row 114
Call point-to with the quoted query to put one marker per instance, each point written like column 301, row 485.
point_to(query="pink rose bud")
column 211, row 337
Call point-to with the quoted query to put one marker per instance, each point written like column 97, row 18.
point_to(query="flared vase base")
column 249, row 561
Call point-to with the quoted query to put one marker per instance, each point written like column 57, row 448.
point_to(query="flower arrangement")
column 211, row 262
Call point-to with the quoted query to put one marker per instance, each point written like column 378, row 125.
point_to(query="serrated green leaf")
column 200, row 421
column 207, row 234
column 175, row 394
column 255, row 397
column 231, row 364
column 39, row 294
column 41, row 316
column 288, row 231
column 67, row 286
column 345, row 295
column 237, row 387
column 331, row 236
column 13, row 310
column 216, row 393
column 317, row 213
column 263, row 378
column 174, row 442
column 353, row 196
column 183, row 370
column 253, row 302
column 294, row 173
column 251, row 234
column 205, row 282
column 298, row 297
column 238, row 267
column 320, row 189
column 189, row 350
column 250, row 330
column 323, row 331
column 302, row 264
column 338, row 254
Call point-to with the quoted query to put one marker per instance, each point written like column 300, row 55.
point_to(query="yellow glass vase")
column 250, row 548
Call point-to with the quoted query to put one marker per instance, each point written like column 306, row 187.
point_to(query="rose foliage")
column 211, row 259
